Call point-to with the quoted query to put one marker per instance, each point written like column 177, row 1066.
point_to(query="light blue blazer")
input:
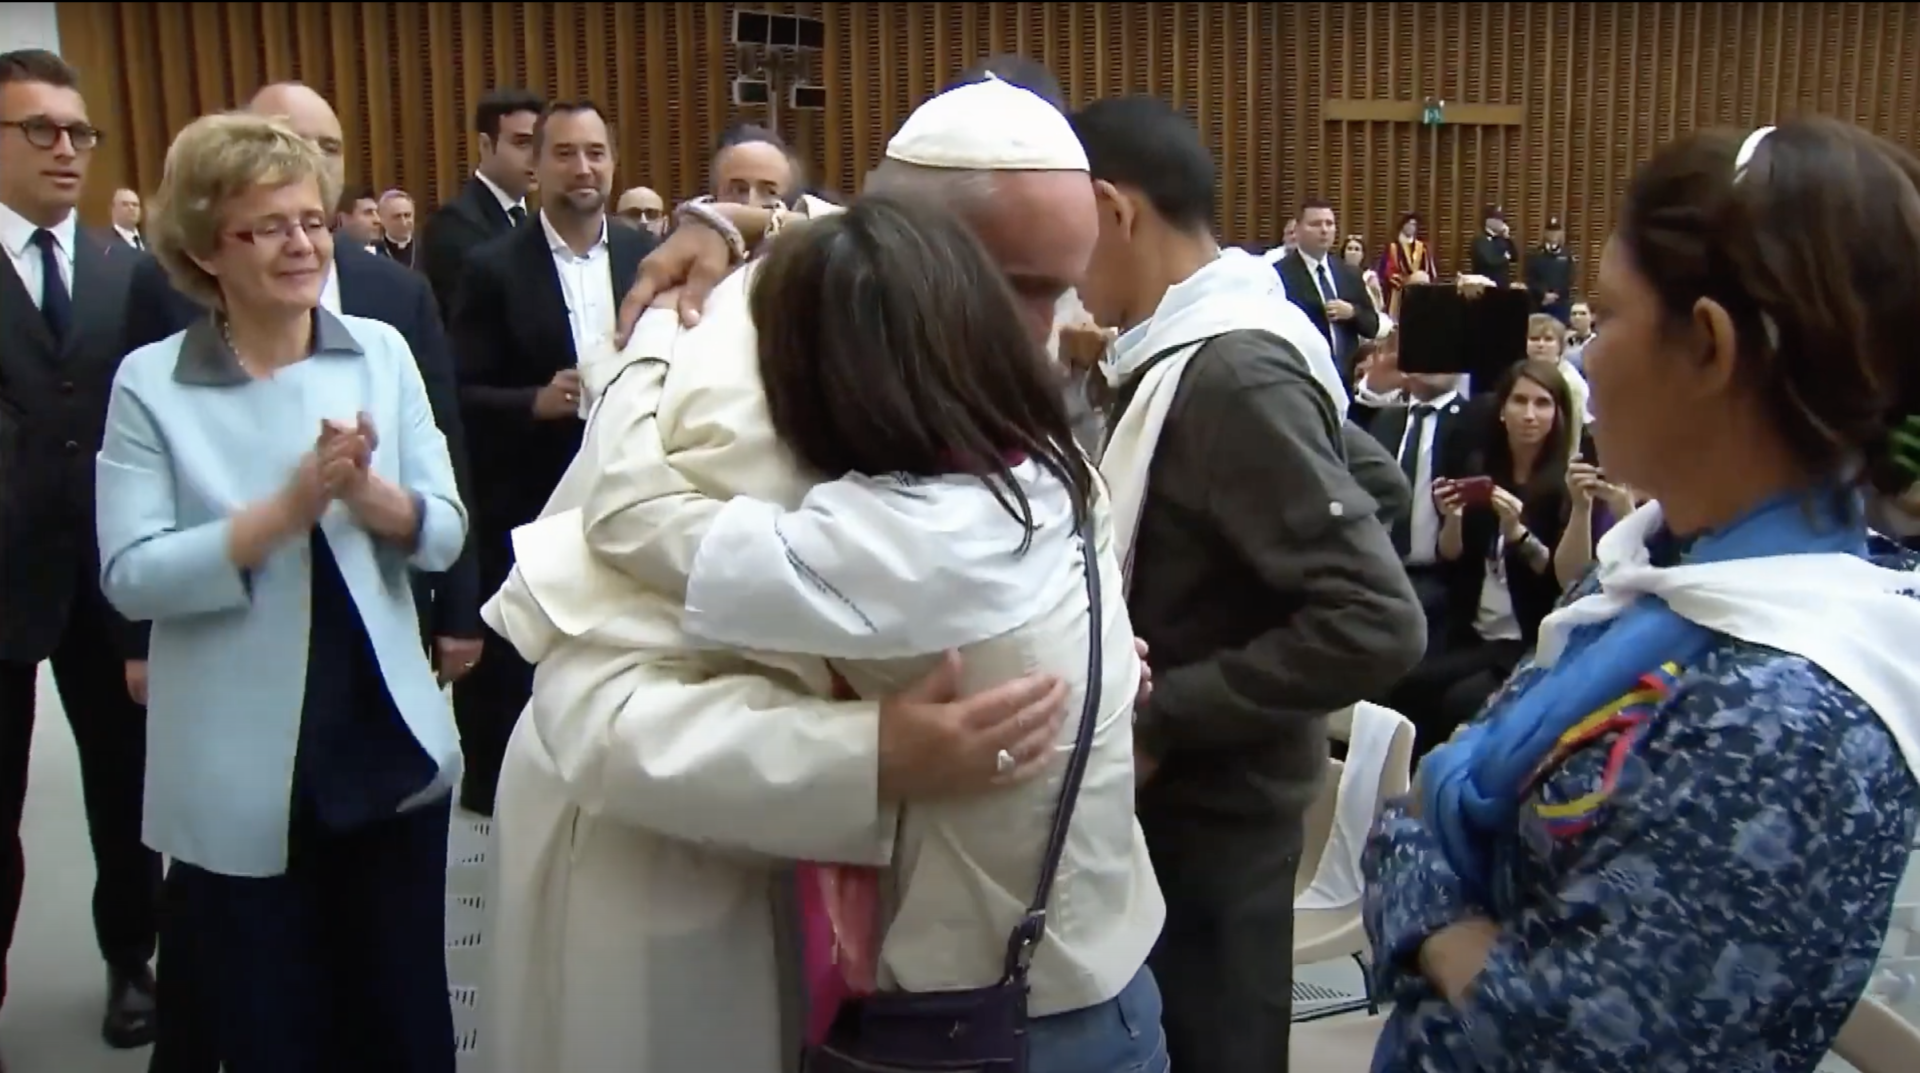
column 190, row 440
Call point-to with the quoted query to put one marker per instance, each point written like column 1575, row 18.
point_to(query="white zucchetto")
column 988, row 125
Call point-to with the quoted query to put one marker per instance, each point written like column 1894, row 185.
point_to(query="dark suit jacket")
column 511, row 335
column 53, row 410
column 1304, row 292
column 1460, row 424
column 378, row 289
column 1494, row 257
column 471, row 218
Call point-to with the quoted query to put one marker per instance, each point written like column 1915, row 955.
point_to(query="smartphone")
column 1474, row 491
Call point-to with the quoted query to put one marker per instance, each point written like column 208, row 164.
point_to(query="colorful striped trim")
column 1628, row 715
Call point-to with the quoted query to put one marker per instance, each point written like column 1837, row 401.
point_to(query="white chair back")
column 1378, row 767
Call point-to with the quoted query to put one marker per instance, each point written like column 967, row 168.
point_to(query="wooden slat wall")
column 1600, row 84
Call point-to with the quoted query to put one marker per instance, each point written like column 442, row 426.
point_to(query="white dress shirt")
column 586, row 281
column 1423, row 530
column 131, row 238
column 16, row 235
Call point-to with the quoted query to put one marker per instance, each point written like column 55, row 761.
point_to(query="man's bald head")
column 643, row 208
column 310, row 116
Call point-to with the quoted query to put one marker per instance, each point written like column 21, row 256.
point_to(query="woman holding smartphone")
column 1498, row 532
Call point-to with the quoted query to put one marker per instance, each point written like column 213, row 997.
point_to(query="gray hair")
column 957, row 187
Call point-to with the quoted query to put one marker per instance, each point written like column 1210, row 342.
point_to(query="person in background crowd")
column 536, row 309
column 642, row 208
column 263, row 474
column 1406, row 262
column 1502, row 516
column 1547, row 341
column 396, row 227
column 1262, row 582
column 1579, row 333
column 359, row 221
column 1668, row 845
column 751, row 166
column 1287, row 236
column 1494, row 253
column 1354, row 253
column 1327, row 289
column 1549, row 273
column 126, row 218
column 493, row 201
column 55, row 372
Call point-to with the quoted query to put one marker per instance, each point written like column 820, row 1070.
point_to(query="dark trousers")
column 487, row 702
column 1224, row 961
column 1448, row 688
column 338, row 964
column 110, row 732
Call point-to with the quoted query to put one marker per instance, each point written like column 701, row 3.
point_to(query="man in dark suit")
column 1494, row 253
column 533, row 303
column 1325, row 287
column 493, row 201
column 62, row 291
column 1431, row 431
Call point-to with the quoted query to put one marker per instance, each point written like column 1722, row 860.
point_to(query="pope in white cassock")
column 657, row 788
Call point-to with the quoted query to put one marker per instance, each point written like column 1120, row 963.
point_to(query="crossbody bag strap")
column 1033, row 927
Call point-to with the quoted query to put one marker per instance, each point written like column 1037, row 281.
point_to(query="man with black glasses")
column 62, row 293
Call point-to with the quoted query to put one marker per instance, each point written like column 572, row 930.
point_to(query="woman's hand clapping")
column 346, row 455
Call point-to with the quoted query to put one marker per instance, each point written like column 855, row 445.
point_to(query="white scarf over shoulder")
column 1236, row 292
column 1854, row 619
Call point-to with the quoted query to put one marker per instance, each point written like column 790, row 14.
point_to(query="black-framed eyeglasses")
column 44, row 133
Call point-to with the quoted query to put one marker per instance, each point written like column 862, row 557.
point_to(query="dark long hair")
column 1549, row 476
column 890, row 343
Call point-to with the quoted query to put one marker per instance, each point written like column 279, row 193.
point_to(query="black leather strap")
column 1033, row 927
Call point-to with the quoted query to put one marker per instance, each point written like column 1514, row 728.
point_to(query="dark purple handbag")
column 982, row 1030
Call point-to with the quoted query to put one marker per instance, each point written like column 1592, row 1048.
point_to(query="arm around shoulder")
column 151, row 569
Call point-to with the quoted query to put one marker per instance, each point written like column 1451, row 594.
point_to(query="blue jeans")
column 1121, row 1035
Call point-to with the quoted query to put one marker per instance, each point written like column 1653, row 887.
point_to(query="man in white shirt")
column 534, row 302
column 1327, row 289
column 126, row 218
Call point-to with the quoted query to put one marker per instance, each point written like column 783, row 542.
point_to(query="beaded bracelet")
column 703, row 213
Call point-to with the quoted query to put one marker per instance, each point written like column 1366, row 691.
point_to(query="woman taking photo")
column 269, row 478
column 1498, row 532
column 1673, row 840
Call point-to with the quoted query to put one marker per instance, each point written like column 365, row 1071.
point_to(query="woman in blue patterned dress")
column 1672, row 841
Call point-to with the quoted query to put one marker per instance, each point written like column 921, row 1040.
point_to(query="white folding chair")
column 1378, row 767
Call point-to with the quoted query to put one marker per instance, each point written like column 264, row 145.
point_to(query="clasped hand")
column 338, row 467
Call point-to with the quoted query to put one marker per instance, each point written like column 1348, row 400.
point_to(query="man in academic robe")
column 1406, row 262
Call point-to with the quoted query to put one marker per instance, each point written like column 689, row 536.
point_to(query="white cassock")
column 621, row 938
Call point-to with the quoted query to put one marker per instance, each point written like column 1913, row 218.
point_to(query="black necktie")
column 1417, row 420
column 1328, row 294
column 138, row 242
column 55, row 303
column 516, row 214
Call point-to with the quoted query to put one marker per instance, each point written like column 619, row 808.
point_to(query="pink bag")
column 839, row 921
